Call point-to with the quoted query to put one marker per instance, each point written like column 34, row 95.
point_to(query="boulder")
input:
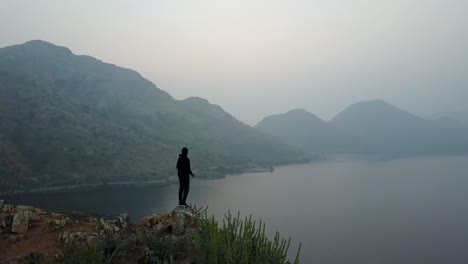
column 183, row 219
column 8, row 208
column 20, row 222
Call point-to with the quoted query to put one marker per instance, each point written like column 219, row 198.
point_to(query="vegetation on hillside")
column 239, row 241
column 68, row 119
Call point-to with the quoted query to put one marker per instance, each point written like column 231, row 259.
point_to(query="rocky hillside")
column 68, row 119
column 31, row 235
column 183, row 236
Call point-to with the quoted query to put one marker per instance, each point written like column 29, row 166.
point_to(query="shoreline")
column 83, row 187
column 123, row 184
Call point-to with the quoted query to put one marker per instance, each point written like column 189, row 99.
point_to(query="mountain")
column 306, row 131
column 373, row 127
column 387, row 129
column 68, row 119
column 460, row 116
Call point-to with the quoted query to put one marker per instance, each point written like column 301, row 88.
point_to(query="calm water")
column 342, row 210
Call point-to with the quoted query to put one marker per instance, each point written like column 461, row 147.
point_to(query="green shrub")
column 238, row 241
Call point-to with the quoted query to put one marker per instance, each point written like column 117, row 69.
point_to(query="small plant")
column 82, row 256
column 108, row 244
column 238, row 241
column 75, row 254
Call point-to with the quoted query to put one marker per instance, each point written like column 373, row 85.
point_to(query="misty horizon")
column 272, row 56
column 428, row 117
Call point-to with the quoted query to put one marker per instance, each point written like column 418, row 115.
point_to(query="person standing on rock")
column 184, row 171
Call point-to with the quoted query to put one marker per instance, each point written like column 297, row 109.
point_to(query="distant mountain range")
column 373, row 127
column 460, row 116
column 306, row 131
column 68, row 119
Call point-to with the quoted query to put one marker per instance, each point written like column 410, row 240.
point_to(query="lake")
column 343, row 210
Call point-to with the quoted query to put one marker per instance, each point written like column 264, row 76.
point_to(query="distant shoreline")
column 120, row 184
column 81, row 187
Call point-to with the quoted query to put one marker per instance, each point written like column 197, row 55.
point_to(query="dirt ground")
column 42, row 236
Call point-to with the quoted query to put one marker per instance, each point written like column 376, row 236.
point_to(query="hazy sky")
column 258, row 57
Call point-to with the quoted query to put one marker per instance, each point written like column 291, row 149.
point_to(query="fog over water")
column 344, row 210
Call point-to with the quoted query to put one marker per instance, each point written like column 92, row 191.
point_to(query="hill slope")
column 387, row 129
column 306, row 131
column 74, row 119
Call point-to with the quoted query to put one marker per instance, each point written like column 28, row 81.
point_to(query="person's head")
column 185, row 151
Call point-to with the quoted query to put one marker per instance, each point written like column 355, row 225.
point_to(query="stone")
column 58, row 216
column 8, row 208
column 24, row 208
column 74, row 240
column 5, row 220
column 122, row 221
column 125, row 217
column 183, row 219
column 32, row 216
column 58, row 222
column 38, row 211
column 20, row 222
column 107, row 227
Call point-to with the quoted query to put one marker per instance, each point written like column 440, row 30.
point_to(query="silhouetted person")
column 184, row 171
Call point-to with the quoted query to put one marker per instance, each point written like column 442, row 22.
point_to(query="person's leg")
column 186, row 189
column 181, row 190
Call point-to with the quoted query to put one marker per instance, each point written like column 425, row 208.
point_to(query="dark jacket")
column 183, row 166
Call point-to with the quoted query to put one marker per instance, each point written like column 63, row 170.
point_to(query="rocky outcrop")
column 23, row 217
column 20, row 222
column 183, row 220
column 26, row 231
column 17, row 219
column 78, row 240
